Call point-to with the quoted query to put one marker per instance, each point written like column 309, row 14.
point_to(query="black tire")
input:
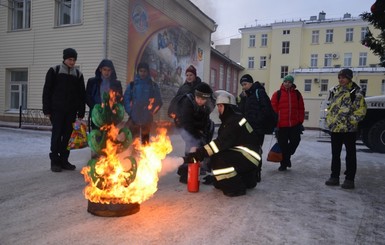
column 365, row 136
column 376, row 137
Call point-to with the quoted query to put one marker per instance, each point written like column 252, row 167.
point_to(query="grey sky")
column 231, row 15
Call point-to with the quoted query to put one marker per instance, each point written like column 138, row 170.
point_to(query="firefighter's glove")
column 199, row 155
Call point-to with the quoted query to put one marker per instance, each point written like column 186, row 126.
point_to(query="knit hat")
column 143, row 65
column 346, row 73
column 70, row 53
column 203, row 90
column 289, row 78
column 191, row 69
column 224, row 97
column 246, row 78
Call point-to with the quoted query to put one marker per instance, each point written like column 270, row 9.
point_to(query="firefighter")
column 235, row 154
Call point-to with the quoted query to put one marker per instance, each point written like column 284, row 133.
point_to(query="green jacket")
column 346, row 109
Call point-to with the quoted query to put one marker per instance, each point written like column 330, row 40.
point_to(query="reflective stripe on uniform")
column 251, row 155
column 248, row 126
column 211, row 148
column 224, row 173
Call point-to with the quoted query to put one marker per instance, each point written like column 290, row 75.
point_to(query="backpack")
column 270, row 119
column 173, row 108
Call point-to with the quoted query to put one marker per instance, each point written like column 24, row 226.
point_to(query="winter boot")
column 65, row 164
column 348, row 184
column 55, row 163
column 333, row 182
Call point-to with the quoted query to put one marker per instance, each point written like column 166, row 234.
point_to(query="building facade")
column 168, row 34
column 313, row 51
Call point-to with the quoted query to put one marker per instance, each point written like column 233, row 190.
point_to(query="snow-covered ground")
column 38, row 206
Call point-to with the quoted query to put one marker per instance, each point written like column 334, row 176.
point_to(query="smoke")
column 170, row 164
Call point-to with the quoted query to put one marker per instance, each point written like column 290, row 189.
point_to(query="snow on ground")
column 292, row 207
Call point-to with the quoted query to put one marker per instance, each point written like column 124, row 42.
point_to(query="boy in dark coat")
column 63, row 100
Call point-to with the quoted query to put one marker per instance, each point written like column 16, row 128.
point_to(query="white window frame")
column 349, row 35
column 363, row 58
column 313, row 60
column 324, row 86
column 251, row 41
column 328, row 60
column 284, row 71
column 228, row 78
column 263, row 40
column 315, row 37
column 348, row 59
column 307, row 85
column 250, row 63
column 69, row 12
column 262, row 62
column 364, row 30
column 235, row 80
column 364, row 85
column 329, row 36
column 18, row 89
column 285, row 47
column 213, row 75
column 20, row 12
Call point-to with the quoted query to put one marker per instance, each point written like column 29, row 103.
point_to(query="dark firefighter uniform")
column 235, row 154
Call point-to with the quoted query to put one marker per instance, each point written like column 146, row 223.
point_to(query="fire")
column 130, row 179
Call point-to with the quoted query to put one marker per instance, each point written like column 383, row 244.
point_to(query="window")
column 307, row 87
column 262, row 62
column 252, row 41
column 285, row 47
column 228, row 77
column 362, row 59
column 286, row 32
column 69, row 12
column 364, row 30
column 235, row 81
column 324, row 85
column 18, row 88
column 349, row 35
column 221, row 77
column 21, row 14
column 383, row 86
column 213, row 77
column 251, row 63
column 314, row 60
column 263, row 40
column 329, row 36
column 306, row 115
column 284, row 71
column 328, row 60
column 348, row 59
column 315, row 37
column 364, row 86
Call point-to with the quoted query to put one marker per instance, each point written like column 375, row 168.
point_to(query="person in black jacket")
column 234, row 155
column 105, row 80
column 253, row 107
column 63, row 100
column 194, row 123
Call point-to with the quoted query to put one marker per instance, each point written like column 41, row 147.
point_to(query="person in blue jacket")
column 105, row 80
column 142, row 100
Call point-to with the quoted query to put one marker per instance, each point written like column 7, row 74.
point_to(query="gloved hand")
column 199, row 155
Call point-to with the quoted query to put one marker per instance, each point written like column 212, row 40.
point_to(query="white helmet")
column 224, row 97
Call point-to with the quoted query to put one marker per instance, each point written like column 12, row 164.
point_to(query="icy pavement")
column 292, row 207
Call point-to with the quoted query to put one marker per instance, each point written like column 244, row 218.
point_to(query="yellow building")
column 313, row 51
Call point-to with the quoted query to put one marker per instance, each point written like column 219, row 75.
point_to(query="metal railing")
column 36, row 117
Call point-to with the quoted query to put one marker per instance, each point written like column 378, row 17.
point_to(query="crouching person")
column 235, row 154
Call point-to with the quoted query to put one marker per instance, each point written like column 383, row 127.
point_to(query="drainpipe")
column 105, row 29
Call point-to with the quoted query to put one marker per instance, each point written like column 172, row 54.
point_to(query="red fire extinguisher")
column 193, row 177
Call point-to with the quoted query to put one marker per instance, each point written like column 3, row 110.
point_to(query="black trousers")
column 349, row 140
column 288, row 139
column 246, row 176
column 61, row 133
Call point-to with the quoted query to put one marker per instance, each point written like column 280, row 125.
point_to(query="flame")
column 113, row 186
column 151, row 103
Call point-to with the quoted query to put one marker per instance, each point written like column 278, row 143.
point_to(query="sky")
column 230, row 15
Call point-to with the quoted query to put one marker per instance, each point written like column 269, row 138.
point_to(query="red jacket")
column 290, row 107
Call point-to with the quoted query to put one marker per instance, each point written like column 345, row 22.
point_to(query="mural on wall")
column 167, row 47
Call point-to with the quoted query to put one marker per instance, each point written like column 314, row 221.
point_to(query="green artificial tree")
column 377, row 19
